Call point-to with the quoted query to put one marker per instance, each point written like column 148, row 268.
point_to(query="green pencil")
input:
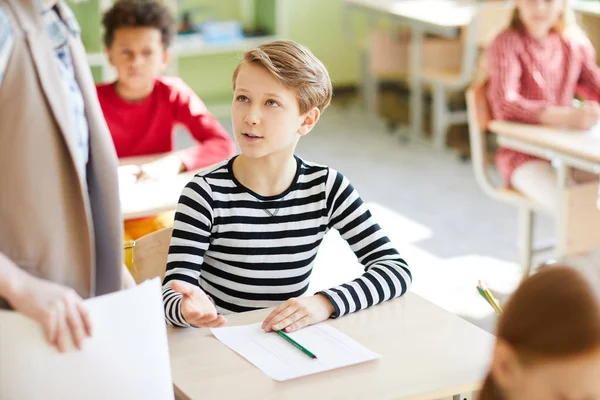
column 489, row 301
column 296, row 344
column 490, row 296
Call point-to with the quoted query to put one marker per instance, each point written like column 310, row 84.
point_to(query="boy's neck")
column 267, row 176
column 49, row 3
column 133, row 95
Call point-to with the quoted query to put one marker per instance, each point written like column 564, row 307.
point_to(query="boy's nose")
column 252, row 118
column 137, row 60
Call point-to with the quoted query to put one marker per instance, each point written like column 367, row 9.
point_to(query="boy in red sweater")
column 142, row 108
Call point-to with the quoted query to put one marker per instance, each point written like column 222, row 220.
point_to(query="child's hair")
column 566, row 26
column 552, row 315
column 295, row 67
column 138, row 13
column 566, row 21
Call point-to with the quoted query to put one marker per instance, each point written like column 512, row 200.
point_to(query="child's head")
column 538, row 17
column 548, row 340
column 137, row 35
column 280, row 90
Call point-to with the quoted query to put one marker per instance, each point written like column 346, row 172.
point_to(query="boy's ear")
column 166, row 58
column 310, row 120
column 108, row 53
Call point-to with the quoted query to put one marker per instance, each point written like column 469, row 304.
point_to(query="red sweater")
column 527, row 75
column 146, row 127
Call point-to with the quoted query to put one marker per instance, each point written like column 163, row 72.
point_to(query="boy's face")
column 265, row 114
column 138, row 55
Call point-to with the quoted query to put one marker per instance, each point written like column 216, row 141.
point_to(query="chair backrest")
column 492, row 18
column 479, row 116
column 150, row 255
column 489, row 19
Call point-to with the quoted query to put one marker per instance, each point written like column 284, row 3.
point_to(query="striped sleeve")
column 6, row 42
column 386, row 274
column 504, row 90
column 190, row 239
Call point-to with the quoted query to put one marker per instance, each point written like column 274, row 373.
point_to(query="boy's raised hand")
column 299, row 312
column 196, row 307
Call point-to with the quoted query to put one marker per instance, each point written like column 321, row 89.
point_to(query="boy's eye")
column 148, row 52
column 243, row 99
column 272, row 103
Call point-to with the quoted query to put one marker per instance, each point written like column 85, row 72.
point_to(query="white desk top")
column 578, row 144
column 146, row 199
column 435, row 13
column 428, row 353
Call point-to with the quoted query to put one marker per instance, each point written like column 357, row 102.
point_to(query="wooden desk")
column 449, row 16
column 146, row 199
column 428, row 353
column 572, row 148
column 567, row 149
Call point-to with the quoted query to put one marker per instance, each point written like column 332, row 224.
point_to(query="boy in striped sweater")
column 247, row 231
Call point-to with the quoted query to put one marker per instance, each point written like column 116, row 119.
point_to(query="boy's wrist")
column 326, row 303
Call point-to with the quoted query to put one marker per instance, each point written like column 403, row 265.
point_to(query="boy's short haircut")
column 139, row 13
column 295, row 67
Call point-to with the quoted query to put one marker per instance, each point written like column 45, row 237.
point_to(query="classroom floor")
column 429, row 204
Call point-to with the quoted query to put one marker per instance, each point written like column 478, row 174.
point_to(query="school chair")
column 490, row 18
column 579, row 229
column 150, row 255
column 479, row 117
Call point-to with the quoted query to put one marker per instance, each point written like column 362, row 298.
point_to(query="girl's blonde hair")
column 565, row 24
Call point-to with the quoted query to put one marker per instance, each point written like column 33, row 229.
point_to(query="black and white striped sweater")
column 249, row 251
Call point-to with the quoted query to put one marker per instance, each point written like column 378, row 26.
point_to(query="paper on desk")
column 282, row 361
column 127, row 356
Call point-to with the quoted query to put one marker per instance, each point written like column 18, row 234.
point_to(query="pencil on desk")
column 485, row 292
column 296, row 344
column 485, row 288
column 486, row 298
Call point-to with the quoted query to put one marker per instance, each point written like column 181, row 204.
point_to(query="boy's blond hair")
column 295, row 67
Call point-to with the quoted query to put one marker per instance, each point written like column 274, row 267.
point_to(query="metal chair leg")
column 525, row 239
column 439, row 116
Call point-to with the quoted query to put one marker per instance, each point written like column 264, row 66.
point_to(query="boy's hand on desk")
column 196, row 307
column 128, row 174
column 57, row 308
column 299, row 312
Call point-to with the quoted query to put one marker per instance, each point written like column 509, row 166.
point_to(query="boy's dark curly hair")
column 138, row 13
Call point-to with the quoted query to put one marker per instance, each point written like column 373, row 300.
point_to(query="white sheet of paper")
column 281, row 360
column 127, row 356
